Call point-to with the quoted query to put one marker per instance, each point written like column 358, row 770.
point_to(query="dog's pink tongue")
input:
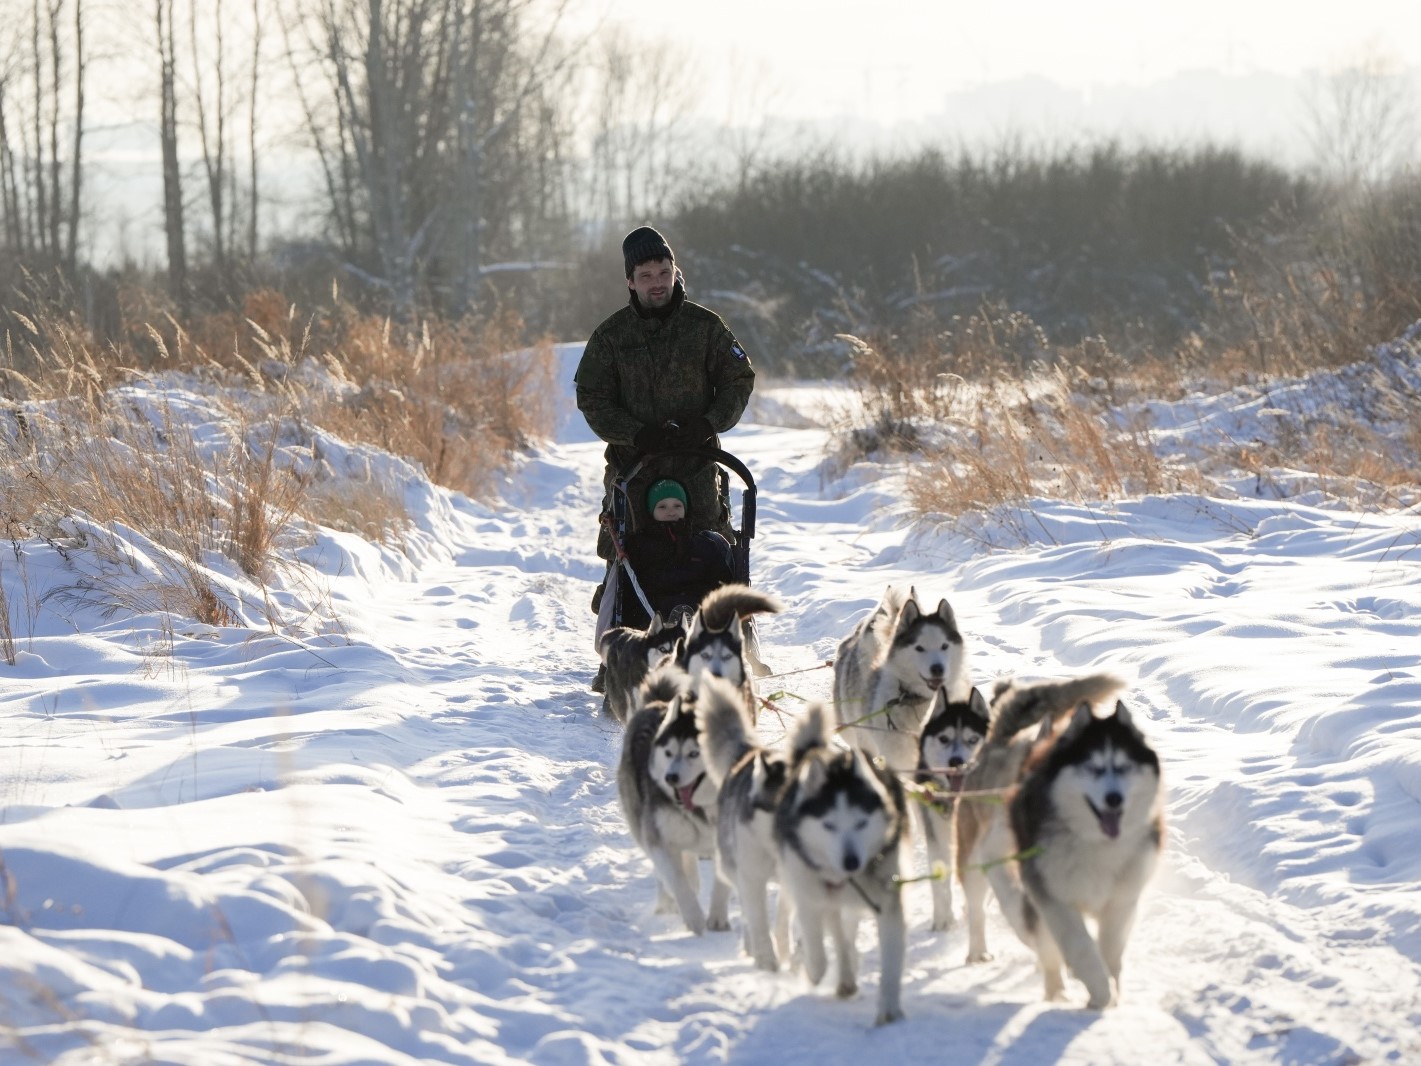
column 1110, row 823
column 685, row 792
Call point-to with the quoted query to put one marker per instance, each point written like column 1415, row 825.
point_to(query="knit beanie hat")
column 666, row 488
column 644, row 244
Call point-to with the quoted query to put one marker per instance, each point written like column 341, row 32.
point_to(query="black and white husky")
column 750, row 779
column 629, row 655
column 951, row 739
column 889, row 669
column 985, row 845
column 718, row 636
column 668, row 798
column 838, row 829
column 1089, row 824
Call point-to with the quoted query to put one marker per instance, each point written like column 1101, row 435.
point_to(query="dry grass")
column 980, row 440
column 83, row 465
column 7, row 626
column 991, row 414
column 1043, row 438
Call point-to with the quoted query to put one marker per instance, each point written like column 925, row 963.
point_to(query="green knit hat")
column 666, row 488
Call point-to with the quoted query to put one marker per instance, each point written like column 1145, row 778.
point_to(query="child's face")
column 669, row 510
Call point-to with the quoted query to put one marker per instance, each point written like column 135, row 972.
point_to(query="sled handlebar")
column 715, row 455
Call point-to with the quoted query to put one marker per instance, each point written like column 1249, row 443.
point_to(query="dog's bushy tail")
column 729, row 602
column 1016, row 707
column 727, row 732
column 810, row 733
column 664, row 684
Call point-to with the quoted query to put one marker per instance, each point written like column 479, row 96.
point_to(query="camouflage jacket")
column 639, row 371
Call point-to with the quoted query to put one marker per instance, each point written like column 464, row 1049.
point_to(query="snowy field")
column 399, row 841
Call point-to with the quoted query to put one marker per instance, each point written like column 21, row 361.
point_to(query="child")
column 675, row 567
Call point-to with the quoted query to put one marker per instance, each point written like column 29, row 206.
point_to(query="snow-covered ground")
column 400, row 842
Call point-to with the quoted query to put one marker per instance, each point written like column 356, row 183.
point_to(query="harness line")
column 626, row 563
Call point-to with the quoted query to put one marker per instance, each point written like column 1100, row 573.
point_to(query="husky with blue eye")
column 750, row 779
column 629, row 655
column 838, row 830
column 951, row 739
column 721, row 640
column 1020, row 714
column 669, row 799
column 1088, row 819
column 888, row 671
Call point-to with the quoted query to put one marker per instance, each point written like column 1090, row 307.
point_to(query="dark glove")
column 651, row 439
column 696, row 432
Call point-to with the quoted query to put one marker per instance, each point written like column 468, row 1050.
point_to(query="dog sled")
column 624, row 603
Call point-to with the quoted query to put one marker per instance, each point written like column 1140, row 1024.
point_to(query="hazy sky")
column 898, row 59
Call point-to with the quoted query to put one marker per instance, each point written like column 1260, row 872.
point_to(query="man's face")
column 652, row 282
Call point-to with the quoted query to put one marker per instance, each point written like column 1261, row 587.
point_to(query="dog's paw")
column 847, row 989
column 1054, row 987
column 767, row 962
column 889, row 1014
column 942, row 923
column 718, row 923
column 975, row 957
column 1102, row 1000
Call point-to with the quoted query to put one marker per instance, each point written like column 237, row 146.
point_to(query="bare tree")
column 253, row 98
column 71, row 248
column 1362, row 120
column 642, row 99
column 42, row 79
column 419, row 110
column 210, row 101
column 168, row 136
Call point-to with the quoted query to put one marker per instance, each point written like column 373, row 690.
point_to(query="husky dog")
column 947, row 749
column 716, row 641
column 750, row 779
column 887, row 672
column 1089, row 824
column 985, row 845
column 838, row 828
column 667, row 797
column 629, row 654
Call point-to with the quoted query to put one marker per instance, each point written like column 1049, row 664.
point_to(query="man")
column 659, row 374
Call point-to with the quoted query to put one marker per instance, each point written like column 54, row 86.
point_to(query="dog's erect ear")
column 910, row 613
column 944, row 612
column 978, row 703
column 1123, row 715
column 812, row 776
column 937, row 705
column 657, row 625
column 867, row 769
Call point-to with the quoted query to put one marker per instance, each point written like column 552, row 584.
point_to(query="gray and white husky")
column 951, row 739
column 1089, row 824
column 888, row 670
column 718, row 641
column 838, row 829
column 750, row 779
column 985, row 844
column 668, row 798
column 629, row 655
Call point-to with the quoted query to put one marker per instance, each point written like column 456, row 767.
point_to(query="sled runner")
column 624, row 601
